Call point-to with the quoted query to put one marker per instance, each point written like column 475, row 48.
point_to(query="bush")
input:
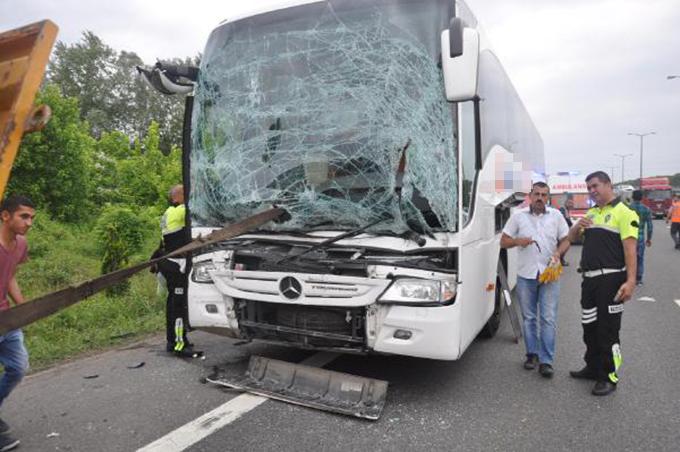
column 66, row 254
column 120, row 233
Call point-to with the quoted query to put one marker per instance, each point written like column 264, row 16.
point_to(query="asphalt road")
column 485, row 401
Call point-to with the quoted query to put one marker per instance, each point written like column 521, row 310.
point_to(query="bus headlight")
column 420, row 292
column 200, row 272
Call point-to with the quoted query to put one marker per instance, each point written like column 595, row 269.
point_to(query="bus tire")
column 494, row 322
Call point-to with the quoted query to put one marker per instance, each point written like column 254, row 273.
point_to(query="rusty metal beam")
column 31, row 311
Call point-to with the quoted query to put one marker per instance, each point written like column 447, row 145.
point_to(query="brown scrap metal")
column 308, row 386
column 31, row 311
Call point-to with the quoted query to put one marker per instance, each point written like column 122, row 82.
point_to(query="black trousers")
column 675, row 232
column 601, row 319
column 176, row 305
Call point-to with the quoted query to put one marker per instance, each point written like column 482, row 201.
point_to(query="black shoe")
column 171, row 347
column 546, row 370
column 530, row 363
column 583, row 374
column 603, row 388
column 7, row 442
column 188, row 352
column 4, row 427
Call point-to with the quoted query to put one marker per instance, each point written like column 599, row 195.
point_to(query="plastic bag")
column 552, row 272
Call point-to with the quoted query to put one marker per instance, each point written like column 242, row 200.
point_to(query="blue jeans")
column 539, row 301
column 14, row 358
column 640, row 260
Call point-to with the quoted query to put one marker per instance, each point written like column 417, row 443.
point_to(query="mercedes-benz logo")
column 290, row 288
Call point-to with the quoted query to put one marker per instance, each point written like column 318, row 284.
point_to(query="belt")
column 602, row 271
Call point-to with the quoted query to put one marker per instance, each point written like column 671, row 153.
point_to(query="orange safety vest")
column 675, row 217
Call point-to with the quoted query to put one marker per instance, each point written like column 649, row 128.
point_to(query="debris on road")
column 308, row 386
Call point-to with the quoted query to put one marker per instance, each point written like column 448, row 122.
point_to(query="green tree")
column 145, row 178
column 120, row 233
column 112, row 95
column 54, row 166
column 84, row 70
column 111, row 148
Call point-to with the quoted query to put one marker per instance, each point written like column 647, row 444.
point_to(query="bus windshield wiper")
column 337, row 238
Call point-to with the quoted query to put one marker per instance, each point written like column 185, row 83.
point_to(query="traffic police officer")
column 173, row 270
column 608, row 266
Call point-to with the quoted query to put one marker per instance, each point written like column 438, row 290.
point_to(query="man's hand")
column 555, row 258
column 523, row 241
column 625, row 292
column 584, row 223
column 648, row 243
column 577, row 229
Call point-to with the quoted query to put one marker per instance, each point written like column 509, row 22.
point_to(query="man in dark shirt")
column 565, row 210
column 608, row 266
column 646, row 225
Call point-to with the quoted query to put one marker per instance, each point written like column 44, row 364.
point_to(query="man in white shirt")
column 541, row 234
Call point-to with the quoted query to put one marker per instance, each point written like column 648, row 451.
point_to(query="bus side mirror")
column 460, row 61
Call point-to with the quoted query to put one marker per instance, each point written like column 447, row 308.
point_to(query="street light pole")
column 611, row 172
column 642, row 136
column 623, row 158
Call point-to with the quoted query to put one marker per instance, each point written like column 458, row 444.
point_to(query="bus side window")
column 468, row 149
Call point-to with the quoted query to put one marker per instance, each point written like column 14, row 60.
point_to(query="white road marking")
column 646, row 299
column 677, row 302
column 194, row 431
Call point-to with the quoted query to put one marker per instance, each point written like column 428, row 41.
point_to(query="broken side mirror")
column 460, row 61
column 169, row 78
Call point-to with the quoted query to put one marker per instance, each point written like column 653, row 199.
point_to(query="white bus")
column 393, row 138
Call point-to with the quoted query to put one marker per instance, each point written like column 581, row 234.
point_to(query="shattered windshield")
column 336, row 114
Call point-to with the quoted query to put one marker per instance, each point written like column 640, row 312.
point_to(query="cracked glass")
column 335, row 112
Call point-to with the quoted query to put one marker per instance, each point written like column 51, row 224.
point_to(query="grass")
column 61, row 255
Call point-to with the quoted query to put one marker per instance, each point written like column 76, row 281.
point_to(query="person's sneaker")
column 7, row 442
column 188, row 352
column 603, row 388
column 4, row 427
column 546, row 370
column 584, row 374
column 530, row 363
column 639, row 283
column 171, row 347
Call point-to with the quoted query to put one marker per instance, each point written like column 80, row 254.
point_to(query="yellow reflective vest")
column 173, row 219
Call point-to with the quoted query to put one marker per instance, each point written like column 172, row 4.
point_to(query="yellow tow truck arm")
column 24, row 53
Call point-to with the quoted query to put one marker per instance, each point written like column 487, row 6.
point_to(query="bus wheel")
column 494, row 321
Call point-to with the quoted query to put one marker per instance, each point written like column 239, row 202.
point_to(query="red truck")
column 657, row 194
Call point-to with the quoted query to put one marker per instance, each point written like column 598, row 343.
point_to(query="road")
column 485, row 401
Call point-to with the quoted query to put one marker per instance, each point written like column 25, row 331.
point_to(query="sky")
column 588, row 71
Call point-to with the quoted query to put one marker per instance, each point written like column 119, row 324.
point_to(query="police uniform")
column 603, row 267
column 174, row 236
